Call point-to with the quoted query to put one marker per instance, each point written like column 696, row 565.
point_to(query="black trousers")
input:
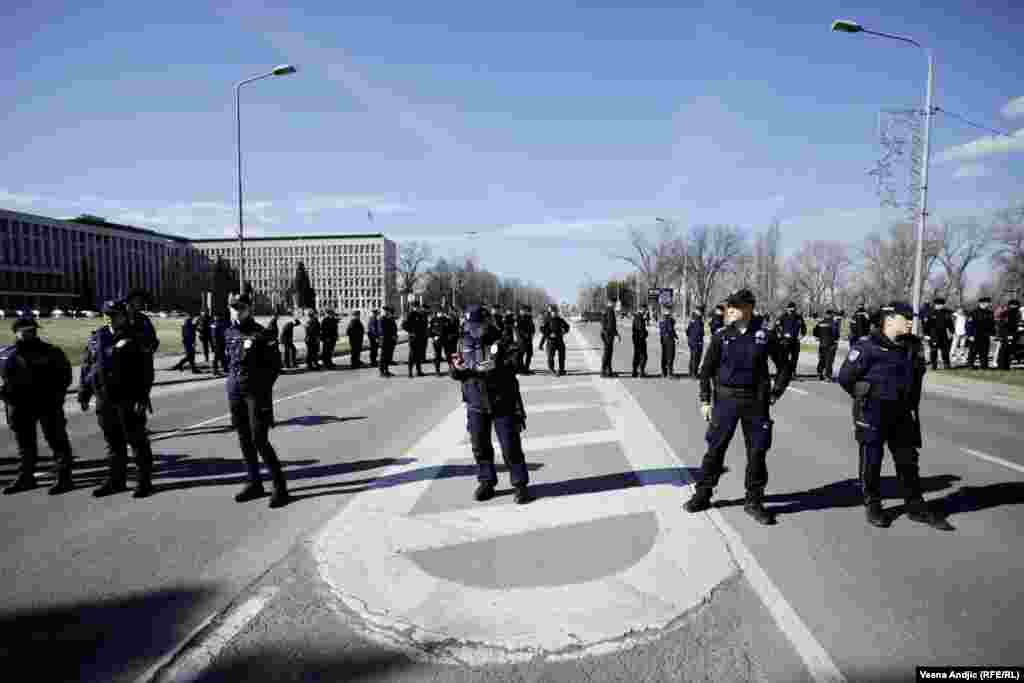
column 525, row 353
column 668, row 355
column 417, row 350
column 327, row 352
column 606, row 357
column 291, row 355
column 190, row 359
column 640, row 356
column 792, row 349
column 387, row 353
column 553, row 348
column 122, row 427
column 23, row 420
column 373, row 350
column 1005, row 354
column 438, row 354
column 935, row 347
column 252, row 419
column 313, row 353
column 980, row 349
column 757, row 432
column 220, row 358
column 355, row 345
column 695, row 355
column 827, row 360
column 891, row 424
column 206, row 350
column 508, row 428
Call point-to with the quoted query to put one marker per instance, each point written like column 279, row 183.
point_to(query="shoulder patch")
column 853, row 355
column 760, row 334
column 121, row 343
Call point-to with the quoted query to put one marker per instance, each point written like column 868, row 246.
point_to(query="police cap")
column 938, row 300
column 985, row 300
column 791, row 306
column 898, row 308
column 114, row 306
column 389, row 309
column 1013, row 303
column 744, row 297
column 24, row 322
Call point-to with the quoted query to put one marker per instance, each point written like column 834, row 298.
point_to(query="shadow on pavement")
column 676, row 476
column 295, row 470
column 976, row 498
column 351, row 663
column 316, row 420
column 97, row 640
column 162, row 434
column 840, row 494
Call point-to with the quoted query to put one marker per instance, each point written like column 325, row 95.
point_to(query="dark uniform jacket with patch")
column 329, row 329
column 791, row 326
column 940, row 326
column 860, row 325
column 254, row 363
column 554, row 329
column 695, row 332
column 982, row 323
column 826, row 331
column 525, row 328
column 388, row 331
column 738, row 361
column 34, row 373
column 115, row 367
column 639, row 328
column 355, row 329
column 489, row 383
column 667, row 328
column 609, row 325
column 716, row 323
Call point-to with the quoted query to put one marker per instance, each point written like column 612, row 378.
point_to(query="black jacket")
column 115, row 367
column 35, row 373
column 355, row 329
column 740, row 361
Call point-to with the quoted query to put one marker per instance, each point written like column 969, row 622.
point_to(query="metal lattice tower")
column 898, row 172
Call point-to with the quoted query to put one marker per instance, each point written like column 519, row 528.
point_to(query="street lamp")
column 282, row 70
column 846, row 26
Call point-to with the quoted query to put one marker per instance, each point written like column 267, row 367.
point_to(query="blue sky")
column 549, row 127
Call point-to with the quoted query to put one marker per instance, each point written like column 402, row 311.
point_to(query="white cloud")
column 376, row 203
column 972, row 171
column 984, row 147
column 1014, row 108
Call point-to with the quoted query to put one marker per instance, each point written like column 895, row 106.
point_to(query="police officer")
column 415, row 325
column 355, row 332
column 884, row 376
column 452, row 333
column 486, row 367
column 980, row 328
column 313, row 341
column 609, row 331
column 438, row 326
column 639, row 332
column 328, row 338
column 791, row 328
column 205, row 334
column 373, row 335
column 525, row 329
column 188, row 342
column 1008, row 334
column 253, row 367
column 717, row 321
column 737, row 362
column 508, row 326
column 33, row 381
column 828, row 341
column 939, row 331
column 494, row 315
column 288, row 344
column 388, row 341
column 115, row 371
column 695, row 340
column 220, row 328
column 860, row 325
column 145, row 332
column 552, row 333
column 668, row 335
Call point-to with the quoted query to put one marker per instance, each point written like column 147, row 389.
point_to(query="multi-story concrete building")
column 346, row 271
column 47, row 263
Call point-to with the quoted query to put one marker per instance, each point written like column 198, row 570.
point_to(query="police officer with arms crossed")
column 415, row 324
column 373, row 335
column 486, row 366
column 525, row 329
column 1007, row 335
column 737, row 363
column 609, row 331
column 640, row 343
column 33, row 381
column 388, row 341
column 354, row 332
column 253, row 367
column 695, row 340
column 438, row 325
column 884, row 376
column 115, row 369
column 939, row 331
column 667, row 333
column 828, row 341
column 328, row 339
column 791, row 328
column 552, row 333
column 980, row 328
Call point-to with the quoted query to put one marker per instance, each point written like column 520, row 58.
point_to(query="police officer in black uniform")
column 737, row 363
column 145, row 332
column 253, row 367
column 980, row 328
column 938, row 332
column 508, row 327
column 373, row 335
column 438, row 326
column 695, row 340
column 639, row 332
column 860, row 325
column 668, row 335
column 828, row 341
column 552, row 333
column 33, row 381
column 717, row 321
column 884, row 375
column 609, row 332
column 486, row 366
column 791, row 328
column 415, row 324
column 291, row 354
column 115, row 369
column 525, row 329
column 313, row 341
column 354, row 332
column 1008, row 335
column 452, row 332
column 328, row 338
column 388, row 341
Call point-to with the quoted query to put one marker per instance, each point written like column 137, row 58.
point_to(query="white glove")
column 705, row 411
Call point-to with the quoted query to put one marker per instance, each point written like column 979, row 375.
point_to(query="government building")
column 48, row 263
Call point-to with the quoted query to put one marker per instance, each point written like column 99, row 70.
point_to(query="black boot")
column 144, row 483
column 280, row 497
column 522, row 495
column 700, row 500
column 754, row 506
column 64, row 483
column 920, row 511
column 26, row 481
column 485, row 491
column 112, row 485
column 252, row 491
column 875, row 514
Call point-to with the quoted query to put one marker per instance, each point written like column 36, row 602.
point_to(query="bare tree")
column 818, row 272
column 960, row 243
column 411, row 258
column 889, row 263
column 653, row 260
column 1008, row 257
column 712, row 249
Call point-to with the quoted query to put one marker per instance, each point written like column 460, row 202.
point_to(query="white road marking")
column 991, row 458
column 195, row 660
column 561, row 407
column 804, row 392
column 362, row 556
column 556, row 387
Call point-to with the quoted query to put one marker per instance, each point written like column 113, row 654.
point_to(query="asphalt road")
column 109, row 589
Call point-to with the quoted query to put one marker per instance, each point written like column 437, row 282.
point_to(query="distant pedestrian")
column 981, row 327
column 355, row 332
column 639, row 335
column 525, row 329
column 939, row 332
column 667, row 335
column 436, row 330
column 373, row 335
column 312, row 341
column 188, row 342
column 552, row 333
column 291, row 355
column 415, row 325
column 205, row 334
column 219, row 329
column 388, row 341
column 1008, row 331
column 828, row 341
column 609, row 333
column 959, row 329
column 328, row 338
column 791, row 328
column 695, row 340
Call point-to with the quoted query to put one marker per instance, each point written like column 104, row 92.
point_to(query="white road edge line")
column 994, row 459
column 799, row 391
column 192, row 666
column 814, row 656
